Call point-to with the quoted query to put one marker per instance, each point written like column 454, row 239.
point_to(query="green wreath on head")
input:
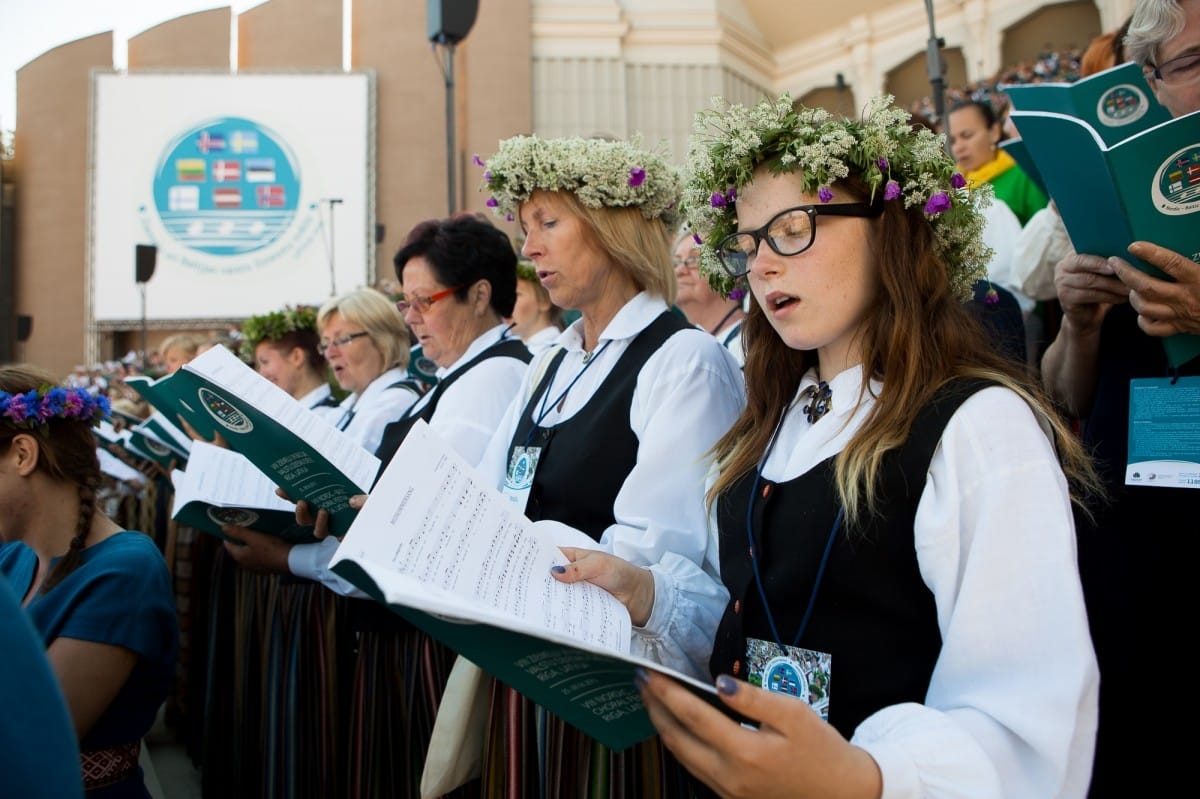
column 275, row 325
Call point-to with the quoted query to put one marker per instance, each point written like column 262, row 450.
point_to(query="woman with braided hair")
column 99, row 596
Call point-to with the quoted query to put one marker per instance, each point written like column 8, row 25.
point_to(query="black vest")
column 394, row 433
column 874, row 613
column 593, row 451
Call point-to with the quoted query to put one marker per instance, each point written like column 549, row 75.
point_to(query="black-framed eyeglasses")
column 691, row 262
column 341, row 341
column 1179, row 70
column 423, row 304
column 790, row 232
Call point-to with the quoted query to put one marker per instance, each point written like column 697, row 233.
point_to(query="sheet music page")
column 223, row 477
column 433, row 520
column 222, row 367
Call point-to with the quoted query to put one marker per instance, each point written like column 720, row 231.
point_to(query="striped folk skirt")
column 532, row 754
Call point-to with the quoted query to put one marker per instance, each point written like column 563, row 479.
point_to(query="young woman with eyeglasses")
column 894, row 522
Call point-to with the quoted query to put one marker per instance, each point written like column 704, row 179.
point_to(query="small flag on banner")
column 210, row 142
column 260, row 170
column 227, row 197
column 271, row 196
column 189, row 170
column 226, row 171
column 183, row 198
column 244, row 141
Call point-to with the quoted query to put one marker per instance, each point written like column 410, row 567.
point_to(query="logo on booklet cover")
column 239, row 517
column 1176, row 187
column 1122, row 105
column 224, row 412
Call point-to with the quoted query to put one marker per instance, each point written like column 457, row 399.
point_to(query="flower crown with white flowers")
column 906, row 162
column 601, row 173
column 274, row 326
column 32, row 410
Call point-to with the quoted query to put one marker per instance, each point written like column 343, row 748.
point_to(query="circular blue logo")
column 783, row 676
column 227, row 187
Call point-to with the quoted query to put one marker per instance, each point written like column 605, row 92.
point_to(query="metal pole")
column 933, row 60
column 450, row 132
column 332, row 246
column 145, row 355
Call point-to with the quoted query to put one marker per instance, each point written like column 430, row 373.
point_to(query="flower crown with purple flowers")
column 906, row 162
column 599, row 172
column 31, row 410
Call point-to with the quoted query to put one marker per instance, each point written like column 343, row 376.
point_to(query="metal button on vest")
column 737, row 606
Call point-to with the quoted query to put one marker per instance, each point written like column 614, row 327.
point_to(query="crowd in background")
column 1050, row 66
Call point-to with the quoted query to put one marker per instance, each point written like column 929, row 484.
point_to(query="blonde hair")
column 188, row 343
column 641, row 246
column 377, row 315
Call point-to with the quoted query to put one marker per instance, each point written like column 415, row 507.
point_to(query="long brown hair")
column 67, row 453
column 916, row 338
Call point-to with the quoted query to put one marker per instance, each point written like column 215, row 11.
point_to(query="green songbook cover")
column 299, row 451
column 1116, row 102
column 1110, row 193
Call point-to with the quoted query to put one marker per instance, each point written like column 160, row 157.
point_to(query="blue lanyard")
column 545, row 409
column 762, row 593
column 348, row 415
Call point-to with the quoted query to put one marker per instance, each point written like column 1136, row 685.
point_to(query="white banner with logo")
column 256, row 189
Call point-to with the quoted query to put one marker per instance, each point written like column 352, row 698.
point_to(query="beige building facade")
column 552, row 67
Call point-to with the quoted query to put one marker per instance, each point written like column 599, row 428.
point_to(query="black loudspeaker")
column 24, row 327
column 380, row 231
column 450, row 20
column 144, row 258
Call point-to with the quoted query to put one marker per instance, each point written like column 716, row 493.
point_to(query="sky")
column 29, row 28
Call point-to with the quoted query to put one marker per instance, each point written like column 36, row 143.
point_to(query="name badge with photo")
column 518, row 480
column 800, row 673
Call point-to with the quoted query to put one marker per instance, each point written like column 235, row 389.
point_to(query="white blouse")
column 1011, row 708
column 378, row 406
column 543, row 340
column 688, row 394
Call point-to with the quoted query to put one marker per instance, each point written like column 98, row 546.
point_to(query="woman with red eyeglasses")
column 459, row 280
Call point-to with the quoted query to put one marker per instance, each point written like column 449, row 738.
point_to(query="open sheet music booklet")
column 451, row 554
column 297, row 449
column 221, row 487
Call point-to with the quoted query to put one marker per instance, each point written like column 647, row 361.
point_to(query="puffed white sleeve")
column 1012, row 703
column 688, row 395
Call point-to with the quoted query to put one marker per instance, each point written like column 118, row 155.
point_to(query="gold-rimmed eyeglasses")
column 340, row 342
